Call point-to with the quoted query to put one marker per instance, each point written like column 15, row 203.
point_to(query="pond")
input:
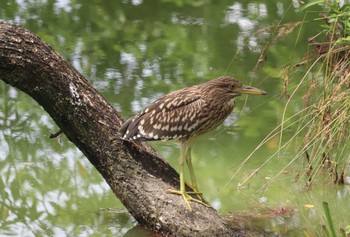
column 134, row 52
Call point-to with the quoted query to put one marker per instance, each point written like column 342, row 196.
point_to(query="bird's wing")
column 175, row 115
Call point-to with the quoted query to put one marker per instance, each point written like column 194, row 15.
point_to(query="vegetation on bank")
column 322, row 137
column 326, row 97
column 321, row 121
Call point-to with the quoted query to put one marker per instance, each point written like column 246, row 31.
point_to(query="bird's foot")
column 187, row 197
column 201, row 198
column 197, row 193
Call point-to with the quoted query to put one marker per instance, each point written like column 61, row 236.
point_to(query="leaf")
column 329, row 218
column 310, row 4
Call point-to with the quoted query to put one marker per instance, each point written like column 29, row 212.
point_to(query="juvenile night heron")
column 183, row 115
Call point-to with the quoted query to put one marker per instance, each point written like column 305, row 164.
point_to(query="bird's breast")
column 212, row 116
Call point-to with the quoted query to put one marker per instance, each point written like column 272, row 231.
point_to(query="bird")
column 183, row 115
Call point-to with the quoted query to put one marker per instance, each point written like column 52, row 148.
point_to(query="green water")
column 133, row 52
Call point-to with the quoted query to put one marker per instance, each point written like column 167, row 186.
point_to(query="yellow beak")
column 250, row 90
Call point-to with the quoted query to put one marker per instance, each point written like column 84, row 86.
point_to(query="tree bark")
column 135, row 173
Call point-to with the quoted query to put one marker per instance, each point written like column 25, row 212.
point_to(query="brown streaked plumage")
column 185, row 114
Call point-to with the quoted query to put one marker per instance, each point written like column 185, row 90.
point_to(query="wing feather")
column 175, row 115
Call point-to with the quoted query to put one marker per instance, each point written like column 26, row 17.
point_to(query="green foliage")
column 339, row 19
column 329, row 220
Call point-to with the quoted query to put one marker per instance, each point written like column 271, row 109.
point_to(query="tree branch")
column 135, row 173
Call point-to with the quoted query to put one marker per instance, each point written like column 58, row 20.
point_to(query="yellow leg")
column 188, row 158
column 185, row 151
column 194, row 185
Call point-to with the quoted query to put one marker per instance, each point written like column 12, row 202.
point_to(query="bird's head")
column 234, row 88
